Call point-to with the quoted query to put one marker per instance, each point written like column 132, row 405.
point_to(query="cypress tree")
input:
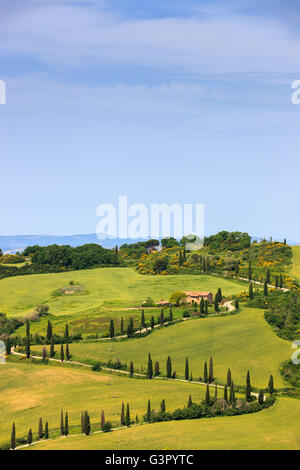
column 180, row 261
column 62, row 430
column 52, row 351
column 49, row 331
column 127, row 417
column 250, row 271
column 271, row 385
column 66, row 333
column 68, row 356
column 216, row 391
column 189, row 401
column 111, row 329
column 150, row 367
column 225, row 393
column 13, row 437
column 131, row 368
column 237, row 269
column 40, row 429
column 284, row 241
column 122, row 414
column 171, row 314
column 169, row 367
column 207, row 395
column 280, row 281
column 202, row 306
column 276, row 281
column 204, row 265
column 152, row 322
column 251, row 293
column 265, row 288
column 211, row 371
column 86, row 423
column 27, row 347
column 102, row 420
column 62, row 354
column 228, row 378
column 232, row 394
column 261, row 397
column 206, row 307
column 29, row 437
column 191, row 377
column 236, row 304
column 46, row 435
column 66, row 424
column 216, row 304
column 156, row 368
column 122, row 326
column 82, row 423
column 149, row 412
column 187, row 373
column 163, row 406
column 219, row 295
column 268, row 276
column 27, row 329
column 143, row 323
column 8, row 346
column 248, row 387
column 205, row 372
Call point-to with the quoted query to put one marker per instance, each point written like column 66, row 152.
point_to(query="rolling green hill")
column 295, row 271
column 241, row 342
column 274, row 428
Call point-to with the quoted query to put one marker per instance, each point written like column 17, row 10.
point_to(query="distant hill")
column 14, row 243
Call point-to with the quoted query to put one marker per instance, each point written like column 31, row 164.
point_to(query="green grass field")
column 274, row 428
column 30, row 391
column 110, row 292
column 241, row 342
column 295, row 271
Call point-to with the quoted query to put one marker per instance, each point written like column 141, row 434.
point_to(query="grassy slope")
column 274, row 428
column 114, row 286
column 295, row 271
column 30, row 391
column 241, row 342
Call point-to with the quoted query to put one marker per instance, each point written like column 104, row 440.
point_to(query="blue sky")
column 169, row 101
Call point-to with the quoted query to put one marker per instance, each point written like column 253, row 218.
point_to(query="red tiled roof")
column 196, row 294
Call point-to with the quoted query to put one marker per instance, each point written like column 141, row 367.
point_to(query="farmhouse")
column 196, row 296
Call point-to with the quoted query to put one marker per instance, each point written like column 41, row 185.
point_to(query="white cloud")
column 69, row 34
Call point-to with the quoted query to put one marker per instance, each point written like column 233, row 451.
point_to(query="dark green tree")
column 66, row 333
column 62, row 428
column 86, row 423
column 171, row 314
column 202, row 306
column 52, row 351
column 27, row 329
column 190, row 402
column 225, row 393
column 228, row 378
column 62, row 354
column 250, row 271
column 206, row 307
column 156, row 368
column 122, row 326
column 251, row 293
column 248, row 387
column 219, row 295
column 216, row 304
column 149, row 412
column 261, row 397
column 236, row 304
column 280, row 281
column 216, row 391
column 162, row 318
column 44, row 354
column 163, row 406
column 46, row 435
column 150, row 367
column 152, row 322
column 8, row 346
column 102, row 421
column 187, row 373
column 268, row 276
column 232, row 393
column 68, row 356
column 122, row 420
column 40, row 429
column 143, row 322
column 131, row 370
column 49, row 331
column 13, row 437
column 271, row 385
column 27, row 347
column 265, row 288
column 169, row 367
column 111, row 329
column 127, row 417
column 205, row 373
column 29, row 437
column 211, row 371
column 207, row 395
column 66, row 430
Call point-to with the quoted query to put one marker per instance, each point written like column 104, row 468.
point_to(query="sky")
column 165, row 102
